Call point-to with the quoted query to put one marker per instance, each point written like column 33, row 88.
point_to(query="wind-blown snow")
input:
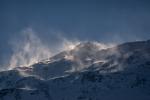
column 28, row 50
column 120, row 72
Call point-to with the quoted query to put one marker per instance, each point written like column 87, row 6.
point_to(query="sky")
column 107, row 21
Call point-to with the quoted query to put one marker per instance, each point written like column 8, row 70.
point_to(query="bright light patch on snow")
column 69, row 45
column 27, row 88
column 102, row 45
column 99, row 61
column 69, row 57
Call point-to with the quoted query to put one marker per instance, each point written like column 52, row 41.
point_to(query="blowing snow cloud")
column 27, row 50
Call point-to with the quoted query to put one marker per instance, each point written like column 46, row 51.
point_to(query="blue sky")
column 98, row 20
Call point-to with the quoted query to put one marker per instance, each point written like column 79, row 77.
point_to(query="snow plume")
column 28, row 50
column 101, row 46
column 67, row 44
column 86, row 53
column 71, row 44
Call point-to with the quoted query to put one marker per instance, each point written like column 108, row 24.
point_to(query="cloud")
column 86, row 53
column 28, row 49
column 68, row 44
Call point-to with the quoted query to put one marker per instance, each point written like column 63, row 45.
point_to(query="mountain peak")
column 85, row 72
column 90, row 45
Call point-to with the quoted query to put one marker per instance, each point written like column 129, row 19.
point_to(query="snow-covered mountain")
column 87, row 72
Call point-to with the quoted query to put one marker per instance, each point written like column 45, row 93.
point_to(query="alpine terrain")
column 85, row 72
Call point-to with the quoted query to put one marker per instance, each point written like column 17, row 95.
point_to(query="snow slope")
column 86, row 72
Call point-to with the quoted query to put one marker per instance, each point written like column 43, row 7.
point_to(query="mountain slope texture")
column 86, row 72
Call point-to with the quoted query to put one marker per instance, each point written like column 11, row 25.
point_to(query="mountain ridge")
column 86, row 72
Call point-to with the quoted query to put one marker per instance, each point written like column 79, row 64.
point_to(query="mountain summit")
column 89, row 71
